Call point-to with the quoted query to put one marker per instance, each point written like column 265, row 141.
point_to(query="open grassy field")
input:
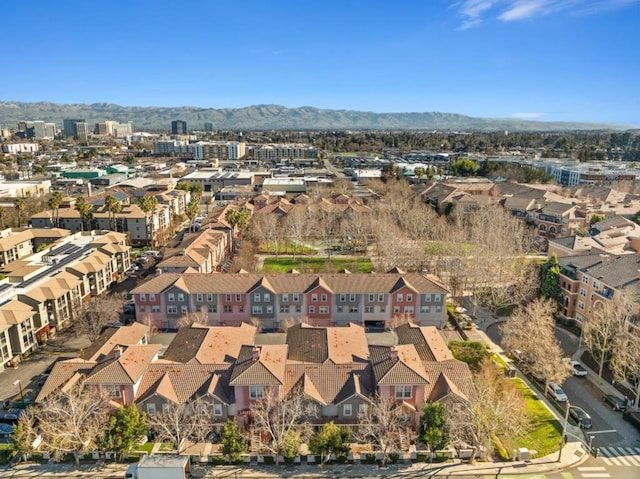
column 545, row 431
column 316, row 265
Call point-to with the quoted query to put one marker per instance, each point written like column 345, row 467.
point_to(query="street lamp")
column 564, row 430
column 591, row 438
column 19, row 383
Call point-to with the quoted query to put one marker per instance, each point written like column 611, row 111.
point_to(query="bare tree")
column 604, row 330
column 278, row 419
column 625, row 363
column 384, row 422
column 530, row 330
column 98, row 313
column 296, row 226
column 398, row 320
column 200, row 317
column 497, row 409
column 289, row 322
column 72, row 420
column 179, row 422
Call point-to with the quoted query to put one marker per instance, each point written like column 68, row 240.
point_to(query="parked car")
column 556, row 392
column 616, row 403
column 633, row 418
column 580, row 416
column 577, row 369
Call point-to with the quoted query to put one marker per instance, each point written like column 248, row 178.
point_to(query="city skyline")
column 548, row 60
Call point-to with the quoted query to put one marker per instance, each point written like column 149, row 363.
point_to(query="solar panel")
column 58, row 266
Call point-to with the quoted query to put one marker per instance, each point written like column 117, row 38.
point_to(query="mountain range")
column 276, row 117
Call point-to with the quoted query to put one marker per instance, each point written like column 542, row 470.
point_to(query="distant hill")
column 275, row 117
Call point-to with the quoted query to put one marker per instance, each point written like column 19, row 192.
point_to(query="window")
column 403, row 391
column 241, row 309
column 181, row 297
column 152, row 297
column 427, row 298
column 371, row 296
column 284, row 308
column 155, row 308
column 142, row 309
column 323, row 310
column 269, row 309
column 409, row 298
column 437, row 298
column 340, row 309
column 228, row 309
column 381, row 298
column 296, row 298
column 314, row 298
column 312, row 309
column 199, row 297
column 399, row 298
column 172, row 310
column 285, row 298
column 383, row 309
column 171, row 297
column 217, row 409
column 228, row 298
column 585, row 279
column 212, row 308
column 353, row 309
column 408, row 309
column 238, row 298
column 368, row 309
column 425, row 309
column 347, row 410
column 143, row 297
column 210, row 297
column 165, row 407
column 596, row 285
column 184, row 309
column 438, row 309
column 298, row 309
column 352, row 298
column 396, row 309
column 583, row 292
column 256, row 310
column 256, row 297
column 151, row 408
column 362, row 408
column 323, row 298
column 580, row 305
column 266, row 297
column 256, row 392
column 343, row 298
column 113, row 391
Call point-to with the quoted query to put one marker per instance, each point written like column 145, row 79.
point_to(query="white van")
column 152, row 252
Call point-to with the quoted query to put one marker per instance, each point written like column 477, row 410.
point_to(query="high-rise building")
column 82, row 130
column 70, row 128
column 208, row 127
column 178, row 127
column 36, row 129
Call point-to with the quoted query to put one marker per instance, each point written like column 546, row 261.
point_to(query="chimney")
column 604, row 258
column 117, row 351
column 255, row 353
column 393, row 353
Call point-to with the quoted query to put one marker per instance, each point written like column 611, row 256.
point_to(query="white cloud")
column 527, row 115
column 474, row 12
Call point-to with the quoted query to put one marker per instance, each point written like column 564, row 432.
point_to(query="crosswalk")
column 620, row 456
column 593, row 472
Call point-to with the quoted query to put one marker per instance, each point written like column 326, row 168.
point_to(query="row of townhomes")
column 47, row 274
column 230, row 368
column 369, row 299
column 554, row 211
column 143, row 228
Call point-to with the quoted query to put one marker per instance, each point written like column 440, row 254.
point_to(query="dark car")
column 616, row 403
column 633, row 417
column 580, row 416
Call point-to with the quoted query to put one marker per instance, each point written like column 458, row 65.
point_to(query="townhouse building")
column 324, row 300
column 202, row 252
column 230, row 368
column 42, row 293
column 16, row 244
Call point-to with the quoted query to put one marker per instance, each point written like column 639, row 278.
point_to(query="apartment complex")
column 230, row 368
column 41, row 293
column 276, row 153
column 322, row 299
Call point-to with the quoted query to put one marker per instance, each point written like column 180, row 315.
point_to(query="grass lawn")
column 317, row 265
column 146, row 447
column 167, row 447
column 286, row 248
column 545, row 432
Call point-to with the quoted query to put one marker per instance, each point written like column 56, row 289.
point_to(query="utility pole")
column 564, row 430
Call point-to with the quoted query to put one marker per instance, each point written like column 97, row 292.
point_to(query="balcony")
column 550, row 219
column 606, row 293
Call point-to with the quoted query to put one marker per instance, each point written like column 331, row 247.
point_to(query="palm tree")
column 113, row 206
column 3, row 216
column 54, row 202
column 147, row 204
column 18, row 203
column 192, row 211
column 85, row 210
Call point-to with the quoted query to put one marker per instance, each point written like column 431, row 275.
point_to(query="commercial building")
column 178, row 127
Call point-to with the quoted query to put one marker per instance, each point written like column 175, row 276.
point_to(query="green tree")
column 471, row 352
column 114, row 207
column 147, row 204
column 331, row 439
column 238, row 218
column 3, row 217
column 464, row 167
column 550, row 279
column 84, row 209
column 19, row 205
column 123, row 430
column 193, row 208
column 23, row 435
column 234, row 443
column 54, row 203
column 389, row 172
column 434, row 430
column 596, row 219
column 289, row 447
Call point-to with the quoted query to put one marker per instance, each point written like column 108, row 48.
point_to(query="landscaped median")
column 316, row 265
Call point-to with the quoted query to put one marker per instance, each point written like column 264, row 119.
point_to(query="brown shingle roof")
column 112, row 337
column 426, row 339
column 268, row 370
column 407, row 368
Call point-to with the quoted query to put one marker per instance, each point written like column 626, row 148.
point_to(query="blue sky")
column 536, row 59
